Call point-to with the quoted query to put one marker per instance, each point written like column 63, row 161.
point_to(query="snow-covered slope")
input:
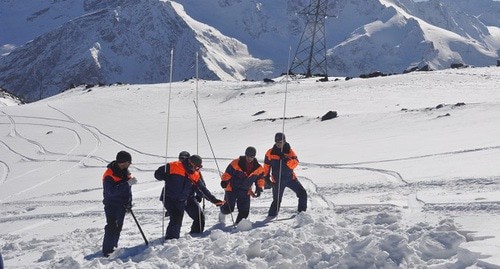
column 405, row 177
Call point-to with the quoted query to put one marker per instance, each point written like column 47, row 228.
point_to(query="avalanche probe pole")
column 200, row 212
column 139, row 226
column 283, row 131
column 163, row 231
column 211, row 148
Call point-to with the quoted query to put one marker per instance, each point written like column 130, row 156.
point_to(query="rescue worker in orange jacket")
column 279, row 163
column 117, row 192
column 193, row 208
column 181, row 178
column 237, row 180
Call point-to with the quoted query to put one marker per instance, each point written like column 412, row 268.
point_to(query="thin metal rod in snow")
column 166, row 144
column 197, row 142
column 196, row 116
column 211, row 149
column 208, row 139
column 283, row 131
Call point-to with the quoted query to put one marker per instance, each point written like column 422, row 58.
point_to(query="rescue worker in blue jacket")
column 117, row 192
column 181, row 178
column 237, row 181
column 193, row 208
column 279, row 163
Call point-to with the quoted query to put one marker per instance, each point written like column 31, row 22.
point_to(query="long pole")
column 197, row 130
column 200, row 211
column 212, row 149
column 139, row 226
column 283, row 131
column 163, row 231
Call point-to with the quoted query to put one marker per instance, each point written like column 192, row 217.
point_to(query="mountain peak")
column 130, row 41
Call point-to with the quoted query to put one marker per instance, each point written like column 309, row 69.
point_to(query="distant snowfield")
column 393, row 182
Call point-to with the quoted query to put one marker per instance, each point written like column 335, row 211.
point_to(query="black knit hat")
column 183, row 155
column 250, row 152
column 279, row 137
column 195, row 160
column 123, row 157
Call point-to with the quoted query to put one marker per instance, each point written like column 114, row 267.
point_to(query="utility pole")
column 310, row 57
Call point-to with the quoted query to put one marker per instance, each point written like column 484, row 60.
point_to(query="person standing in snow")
column 181, row 178
column 117, row 192
column 279, row 163
column 237, row 181
column 193, row 208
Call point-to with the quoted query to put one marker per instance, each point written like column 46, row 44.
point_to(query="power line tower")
column 310, row 56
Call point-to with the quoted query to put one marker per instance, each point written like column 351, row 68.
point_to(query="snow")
column 392, row 182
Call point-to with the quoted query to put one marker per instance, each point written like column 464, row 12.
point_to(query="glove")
column 218, row 202
column 258, row 191
column 282, row 155
column 198, row 198
column 132, row 181
column 224, row 184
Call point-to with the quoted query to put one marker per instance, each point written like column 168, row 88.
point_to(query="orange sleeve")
column 294, row 161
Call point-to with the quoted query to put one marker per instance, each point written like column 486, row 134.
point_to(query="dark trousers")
column 114, row 223
column 239, row 198
column 194, row 211
column 296, row 187
column 176, row 210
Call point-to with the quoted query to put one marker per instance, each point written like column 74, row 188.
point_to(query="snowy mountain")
column 406, row 176
column 130, row 41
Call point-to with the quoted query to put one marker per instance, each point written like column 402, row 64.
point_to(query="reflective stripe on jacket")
column 116, row 190
column 272, row 163
column 238, row 179
column 178, row 181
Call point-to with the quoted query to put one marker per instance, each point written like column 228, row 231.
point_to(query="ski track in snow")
column 55, row 161
column 412, row 157
column 5, row 171
column 16, row 134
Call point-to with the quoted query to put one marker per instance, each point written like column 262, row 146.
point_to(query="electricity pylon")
column 310, row 56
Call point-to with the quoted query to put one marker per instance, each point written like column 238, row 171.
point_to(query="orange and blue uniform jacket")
column 288, row 160
column 181, row 182
column 116, row 190
column 238, row 179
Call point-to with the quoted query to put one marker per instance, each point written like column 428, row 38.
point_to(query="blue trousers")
column 192, row 208
column 296, row 187
column 194, row 211
column 239, row 198
column 176, row 210
column 114, row 223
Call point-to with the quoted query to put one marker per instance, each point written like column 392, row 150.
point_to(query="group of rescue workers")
column 184, row 188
